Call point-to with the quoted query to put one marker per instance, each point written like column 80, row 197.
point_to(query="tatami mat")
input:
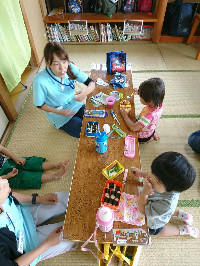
column 143, row 56
column 173, row 251
column 138, row 54
column 73, row 258
column 179, row 56
column 182, row 92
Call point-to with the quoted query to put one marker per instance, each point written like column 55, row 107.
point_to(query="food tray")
column 126, row 105
column 116, row 184
column 92, row 128
column 112, row 174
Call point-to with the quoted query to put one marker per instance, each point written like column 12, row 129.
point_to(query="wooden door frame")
column 8, row 108
column 34, row 56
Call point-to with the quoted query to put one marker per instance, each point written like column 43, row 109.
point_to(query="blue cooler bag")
column 116, row 62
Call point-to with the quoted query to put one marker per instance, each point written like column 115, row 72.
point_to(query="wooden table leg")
column 194, row 27
column 198, row 55
column 105, row 249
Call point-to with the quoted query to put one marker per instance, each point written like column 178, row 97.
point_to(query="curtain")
column 15, row 50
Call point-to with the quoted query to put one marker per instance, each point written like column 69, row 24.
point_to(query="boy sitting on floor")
column 27, row 172
column 171, row 173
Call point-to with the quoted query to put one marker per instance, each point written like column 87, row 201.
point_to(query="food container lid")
column 101, row 136
column 105, row 215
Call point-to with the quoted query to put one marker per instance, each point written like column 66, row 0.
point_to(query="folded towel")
column 99, row 99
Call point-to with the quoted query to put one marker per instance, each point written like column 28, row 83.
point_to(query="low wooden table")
column 88, row 181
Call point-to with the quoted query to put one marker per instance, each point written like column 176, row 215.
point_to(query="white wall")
column 3, row 122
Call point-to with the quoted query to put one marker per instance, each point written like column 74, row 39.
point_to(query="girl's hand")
column 13, row 173
column 137, row 172
column 124, row 112
column 48, row 199
column 66, row 112
column 21, row 161
column 54, row 237
column 79, row 96
column 148, row 187
column 135, row 90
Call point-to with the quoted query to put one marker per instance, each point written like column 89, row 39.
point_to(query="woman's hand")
column 66, row 112
column 54, row 237
column 80, row 96
column 48, row 199
column 124, row 112
column 21, row 161
column 13, row 173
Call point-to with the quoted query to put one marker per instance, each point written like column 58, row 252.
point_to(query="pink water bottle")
column 105, row 218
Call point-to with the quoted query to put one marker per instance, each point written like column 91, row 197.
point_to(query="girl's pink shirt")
column 149, row 118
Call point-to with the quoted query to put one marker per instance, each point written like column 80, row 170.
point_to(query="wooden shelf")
column 100, row 18
column 172, row 39
column 104, row 43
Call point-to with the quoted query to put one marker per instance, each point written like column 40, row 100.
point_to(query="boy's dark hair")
column 56, row 48
column 174, row 171
column 152, row 90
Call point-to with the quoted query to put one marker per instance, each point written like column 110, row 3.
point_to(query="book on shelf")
column 60, row 32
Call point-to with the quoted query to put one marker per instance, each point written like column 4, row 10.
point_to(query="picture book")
column 130, row 237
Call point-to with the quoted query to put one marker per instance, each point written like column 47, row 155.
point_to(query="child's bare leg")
column 49, row 165
column 185, row 216
column 169, row 230
column 55, row 175
column 156, row 136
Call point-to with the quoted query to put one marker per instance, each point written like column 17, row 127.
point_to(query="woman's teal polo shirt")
column 19, row 218
column 47, row 89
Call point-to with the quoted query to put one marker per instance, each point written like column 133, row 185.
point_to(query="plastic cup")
column 110, row 101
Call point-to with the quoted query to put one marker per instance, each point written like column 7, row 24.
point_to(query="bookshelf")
column 154, row 19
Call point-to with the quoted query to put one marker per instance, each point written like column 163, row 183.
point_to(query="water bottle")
column 101, row 141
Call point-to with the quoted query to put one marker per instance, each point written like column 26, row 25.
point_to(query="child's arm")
column 13, row 173
column 138, row 172
column 130, row 124
column 145, row 193
column 9, row 154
